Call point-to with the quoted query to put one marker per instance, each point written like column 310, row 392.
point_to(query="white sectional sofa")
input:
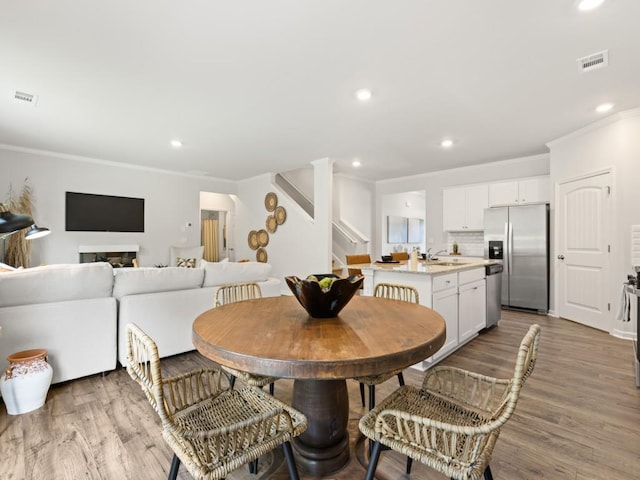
column 79, row 312
column 66, row 309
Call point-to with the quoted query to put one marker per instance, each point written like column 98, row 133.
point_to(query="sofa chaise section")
column 67, row 310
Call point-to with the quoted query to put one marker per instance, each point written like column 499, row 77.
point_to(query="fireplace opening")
column 119, row 256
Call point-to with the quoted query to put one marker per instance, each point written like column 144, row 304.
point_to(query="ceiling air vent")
column 26, row 98
column 594, row 61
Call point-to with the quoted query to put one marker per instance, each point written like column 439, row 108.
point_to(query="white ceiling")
column 259, row 86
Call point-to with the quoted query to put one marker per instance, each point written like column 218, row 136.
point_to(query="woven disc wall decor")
column 280, row 214
column 270, row 201
column 253, row 240
column 271, row 224
column 263, row 238
column 261, row 255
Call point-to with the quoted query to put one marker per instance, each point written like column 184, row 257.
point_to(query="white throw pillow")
column 223, row 273
column 186, row 252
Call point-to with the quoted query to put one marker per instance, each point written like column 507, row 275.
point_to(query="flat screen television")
column 86, row 212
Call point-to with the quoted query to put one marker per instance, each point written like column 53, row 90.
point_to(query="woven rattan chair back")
column 212, row 429
column 498, row 397
column 237, row 292
column 396, row 292
column 143, row 365
column 452, row 423
column 393, row 292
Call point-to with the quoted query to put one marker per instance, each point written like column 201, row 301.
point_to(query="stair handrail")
column 294, row 193
column 344, row 233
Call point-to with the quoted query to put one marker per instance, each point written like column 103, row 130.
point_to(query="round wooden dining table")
column 276, row 337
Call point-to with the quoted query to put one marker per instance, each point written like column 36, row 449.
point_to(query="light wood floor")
column 578, row 416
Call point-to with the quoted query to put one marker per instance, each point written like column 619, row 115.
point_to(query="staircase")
column 346, row 239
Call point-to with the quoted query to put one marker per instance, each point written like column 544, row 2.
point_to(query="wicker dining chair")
column 237, row 292
column 211, row 428
column 452, row 423
column 393, row 292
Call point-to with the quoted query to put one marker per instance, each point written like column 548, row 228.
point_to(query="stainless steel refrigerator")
column 519, row 236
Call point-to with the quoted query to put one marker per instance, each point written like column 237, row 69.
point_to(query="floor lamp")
column 11, row 223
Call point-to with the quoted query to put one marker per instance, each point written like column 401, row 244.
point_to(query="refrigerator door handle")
column 506, row 249
column 510, row 245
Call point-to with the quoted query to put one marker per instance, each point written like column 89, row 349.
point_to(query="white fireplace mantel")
column 108, row 248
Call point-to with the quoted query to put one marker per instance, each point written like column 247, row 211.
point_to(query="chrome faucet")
column 431, row 256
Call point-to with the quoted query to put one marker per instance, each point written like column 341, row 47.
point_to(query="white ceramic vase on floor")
column 25, row 382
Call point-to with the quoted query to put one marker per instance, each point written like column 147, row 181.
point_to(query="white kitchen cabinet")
column 472, row 309
column 520, row 192
column 534, row 190
column 454, row 204
column 463, row 207
column 445, row 303
column 458, row 295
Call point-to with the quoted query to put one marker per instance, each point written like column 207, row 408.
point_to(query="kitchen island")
column 453, row 286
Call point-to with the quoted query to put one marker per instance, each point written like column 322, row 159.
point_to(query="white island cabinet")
column 472, row 300
column 456, row 292
column 444, row 300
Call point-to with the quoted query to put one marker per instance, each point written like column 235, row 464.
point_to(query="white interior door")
column 583, row 251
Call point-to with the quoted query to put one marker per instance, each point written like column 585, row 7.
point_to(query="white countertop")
column 446, row 264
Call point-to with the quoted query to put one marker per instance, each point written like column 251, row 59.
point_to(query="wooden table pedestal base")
column 324, row 447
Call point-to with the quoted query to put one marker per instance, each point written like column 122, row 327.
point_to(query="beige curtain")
column 210, row 240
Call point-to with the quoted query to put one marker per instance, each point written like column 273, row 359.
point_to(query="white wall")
column 171, row 200
column 295, row 248
column 217, row 202
column 433, row 183
column 353, row 198
column 613, row 143
column 353, row 203
column 302, row 178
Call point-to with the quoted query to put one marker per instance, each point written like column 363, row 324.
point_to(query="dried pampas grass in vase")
column 17, row 247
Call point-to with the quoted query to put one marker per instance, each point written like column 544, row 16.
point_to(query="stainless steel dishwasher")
column 493, row 273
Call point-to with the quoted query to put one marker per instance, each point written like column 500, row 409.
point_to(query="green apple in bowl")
column 326, row 282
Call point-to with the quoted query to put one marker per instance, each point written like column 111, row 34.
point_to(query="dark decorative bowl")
column 321, row 303
column 387, row 258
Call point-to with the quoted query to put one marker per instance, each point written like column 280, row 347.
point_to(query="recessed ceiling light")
column 176, row 143
column 363, row 94
column 605, row 107
column 446, row 143
column 585, row 5
column 356, row 163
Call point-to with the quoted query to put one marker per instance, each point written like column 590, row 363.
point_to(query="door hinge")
column 608, row 190
column 609, row 306
column 608, row 248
